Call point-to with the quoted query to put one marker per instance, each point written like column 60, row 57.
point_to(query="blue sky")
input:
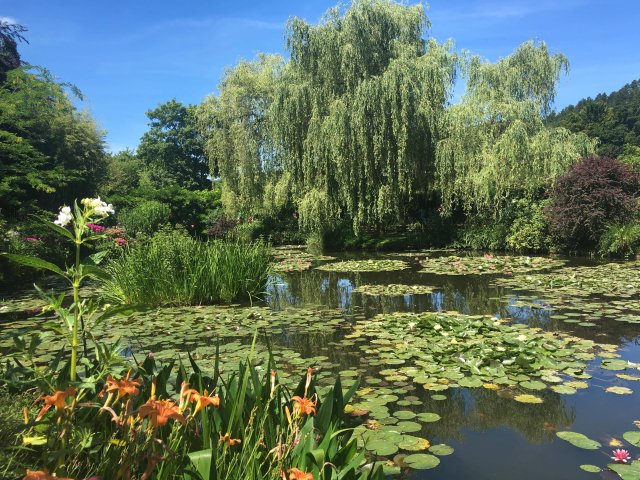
column 127, row 56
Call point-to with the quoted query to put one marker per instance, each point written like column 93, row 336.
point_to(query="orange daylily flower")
column 296, row 474
column 160, row 411
column 58, row 400
column 201, row 400
column 303, row 406
column 124, row 386
column 41, row 475
column 226, row 438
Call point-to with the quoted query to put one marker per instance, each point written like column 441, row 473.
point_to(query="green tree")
column 123, row 171
column 48, row 150
column 355, row 117
column 495, row 147
column 613, row 119
column 236, row 130
column 173, row 149
column 10, row 35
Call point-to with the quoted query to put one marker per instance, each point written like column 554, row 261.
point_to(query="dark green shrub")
column 591, row 195
column 146, row 218
column 621, row 239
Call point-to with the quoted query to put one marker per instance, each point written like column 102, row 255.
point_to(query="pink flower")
column 620, row 456
column 121, row 242
column 95, row 228
column 32, row 239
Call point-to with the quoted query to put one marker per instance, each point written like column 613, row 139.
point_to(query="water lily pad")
column 441, row 449
column 428, row 417
column 527, row 399
column 579, row 440
column 421, row 461
column 619, row 390
column 364, row 266
column 632, row 437
column 563, row 389
column 591, row 468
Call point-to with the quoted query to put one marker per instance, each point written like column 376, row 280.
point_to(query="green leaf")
column 632, row 437
column 58, row 229
column 422, row 461
column 33, row 262
column 201, row 460
column 579, row 440
column 591, row 468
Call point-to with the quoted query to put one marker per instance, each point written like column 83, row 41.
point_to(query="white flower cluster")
column 64, row 217
column 98, row 206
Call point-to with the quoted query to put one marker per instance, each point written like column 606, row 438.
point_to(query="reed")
column 172, row 268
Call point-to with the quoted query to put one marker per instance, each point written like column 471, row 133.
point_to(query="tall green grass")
column 171, row 268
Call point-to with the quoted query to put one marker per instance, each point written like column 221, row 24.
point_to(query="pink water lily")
column 620, row 456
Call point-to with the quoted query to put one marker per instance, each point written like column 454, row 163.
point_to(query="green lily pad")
column 632, row 437
column 428, row 417
column 579, row 440
column 619, row 390
column 421, row 461
column 527, row 399
column 591, row 468
column 441, row 449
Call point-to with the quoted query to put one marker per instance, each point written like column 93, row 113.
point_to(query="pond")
column 487, row 358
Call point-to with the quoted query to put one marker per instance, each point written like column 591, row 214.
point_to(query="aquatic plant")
column 364, row 266
column 487, row 265
column 173, row 268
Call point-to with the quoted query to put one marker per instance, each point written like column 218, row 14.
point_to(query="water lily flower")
column 64, row 217
column 226, row 438
column 296, row 474
column 42, row 475
column 201, row 400
column 160, row 411
column 58, row 400
column 620, row 456
column 124, row 386
column 303, row 406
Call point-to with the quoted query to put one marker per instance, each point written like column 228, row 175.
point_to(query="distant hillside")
column 613, row 118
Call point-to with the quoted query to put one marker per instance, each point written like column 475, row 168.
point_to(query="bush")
column 483, row 235
column 621, row 239
column 146, row 218
column 593, row 193
column 529, row 231
column 173, row 268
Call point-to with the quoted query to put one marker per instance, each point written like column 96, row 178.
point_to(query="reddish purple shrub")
column 222, row 227
column 593, row 193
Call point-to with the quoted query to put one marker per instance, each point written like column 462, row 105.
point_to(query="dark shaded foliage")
column 594, row 193
column 614, row 118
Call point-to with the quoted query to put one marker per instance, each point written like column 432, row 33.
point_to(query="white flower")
column 64, row 217
column 98, row 206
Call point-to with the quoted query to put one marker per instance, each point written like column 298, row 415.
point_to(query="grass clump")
column 174, row 268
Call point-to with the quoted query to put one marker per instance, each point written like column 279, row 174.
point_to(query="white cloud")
column 7, row 20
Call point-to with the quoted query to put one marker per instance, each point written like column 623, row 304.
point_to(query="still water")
column 493, row 437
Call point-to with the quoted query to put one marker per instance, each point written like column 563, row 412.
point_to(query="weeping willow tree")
column 237, row 132
column 495, row 146
column 356, row 113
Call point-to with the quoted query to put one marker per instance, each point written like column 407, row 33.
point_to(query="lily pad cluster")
column 394, row 289
column 364, row 266
column 445, row 350
column 292, row 265
column 487, row 265
column 611, row 279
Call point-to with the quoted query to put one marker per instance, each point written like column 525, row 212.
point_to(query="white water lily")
column 64, row 217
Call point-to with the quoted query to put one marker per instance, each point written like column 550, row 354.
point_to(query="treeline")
column 614, row 119
column 350, row 141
